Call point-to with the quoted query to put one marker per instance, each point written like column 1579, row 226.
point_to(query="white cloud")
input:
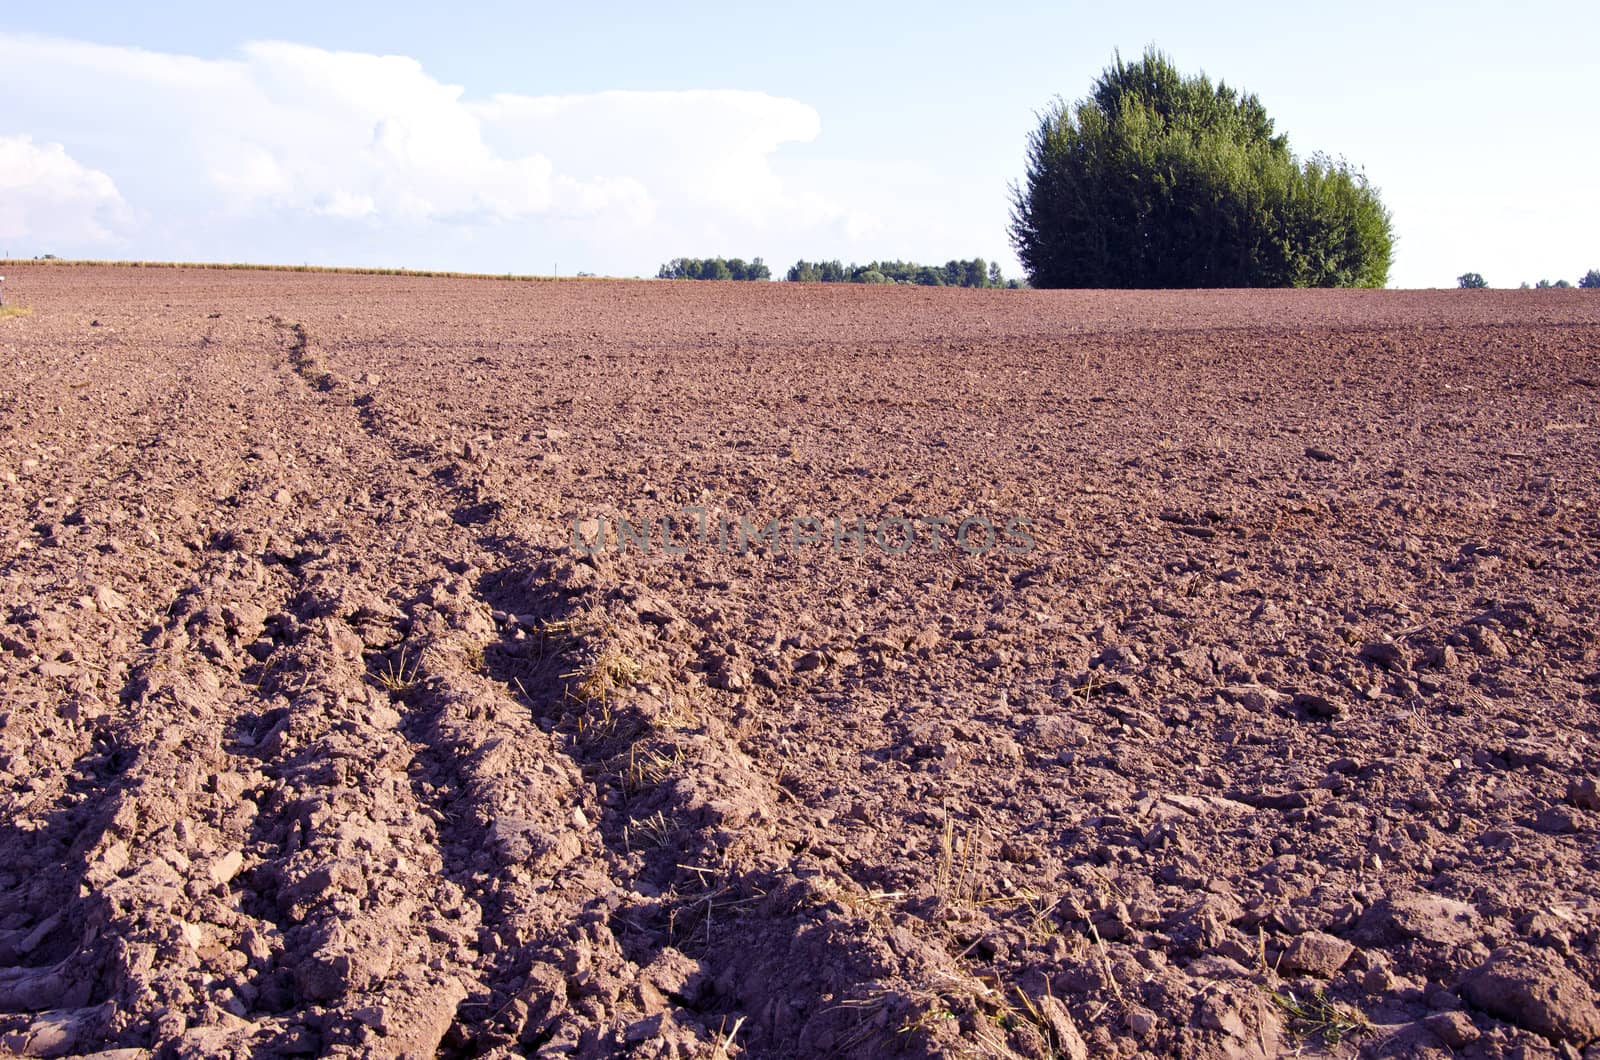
column 296, row 133
column 47, row 195
column 707, row 149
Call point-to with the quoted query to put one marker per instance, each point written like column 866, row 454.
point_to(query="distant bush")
column 1546, row 285
column 714, row 269
column 1471, row 281
column 971, row 273
column 1591, row 279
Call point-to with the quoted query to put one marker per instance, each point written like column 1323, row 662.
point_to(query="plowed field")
column 413, row 667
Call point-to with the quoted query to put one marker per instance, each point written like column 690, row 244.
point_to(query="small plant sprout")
column 1317, row 1016
column 396, row 678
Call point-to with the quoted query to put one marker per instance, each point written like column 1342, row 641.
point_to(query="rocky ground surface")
column 402, row 667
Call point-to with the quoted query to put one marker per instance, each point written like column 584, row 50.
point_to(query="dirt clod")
column 1534, row 988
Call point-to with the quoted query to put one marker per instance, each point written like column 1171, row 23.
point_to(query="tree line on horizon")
column 714, row 269
column 1472, row 281
column 973, row 272
column 1159, row 179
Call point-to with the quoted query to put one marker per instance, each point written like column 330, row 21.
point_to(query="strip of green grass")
column 337, row 269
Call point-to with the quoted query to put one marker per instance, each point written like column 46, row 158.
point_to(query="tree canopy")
column 971, row 273
column 1161, row 180
column 714, row 269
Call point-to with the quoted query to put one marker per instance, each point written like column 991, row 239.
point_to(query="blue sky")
column 522, row 137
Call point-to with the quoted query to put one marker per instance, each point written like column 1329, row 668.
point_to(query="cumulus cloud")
column 375, row 142
column 702, row 148
column 46, row 194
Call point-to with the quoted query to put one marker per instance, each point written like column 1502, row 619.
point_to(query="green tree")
column 1591, row 280
column 974, row 273
column 1471, row 281
column 804, row 271
column 1161, row 180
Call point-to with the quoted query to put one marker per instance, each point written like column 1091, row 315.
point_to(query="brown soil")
column 318, row 736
